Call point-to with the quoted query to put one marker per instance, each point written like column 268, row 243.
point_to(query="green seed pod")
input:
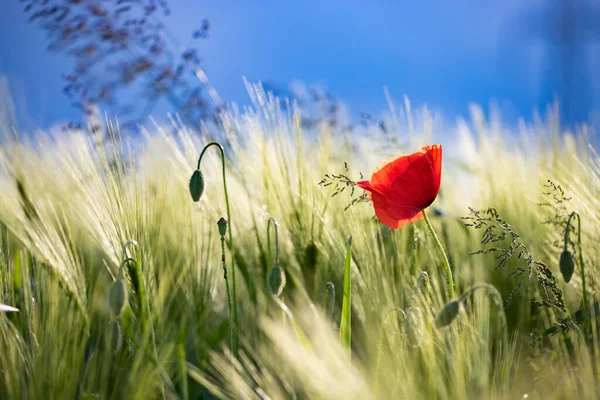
column 196, row 185
column 113, row 336
column 448, row 313
column 567, row 265
column 222, row 226
column 329, row 299
column 414, row 327
column 276, row 280
column 117, row 297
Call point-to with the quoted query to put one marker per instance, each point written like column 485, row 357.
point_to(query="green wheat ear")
column 113, row 336
column 380, row 341
column 414, row 327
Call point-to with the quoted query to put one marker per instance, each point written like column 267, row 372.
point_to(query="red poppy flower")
column 403, row 186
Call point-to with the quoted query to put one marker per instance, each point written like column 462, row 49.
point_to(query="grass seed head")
column 414, row 327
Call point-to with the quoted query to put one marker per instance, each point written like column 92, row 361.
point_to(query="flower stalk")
column 222, row 223
column 198, row 182
column 442, row 253
column 276, row 279
column 451, row 310
column 135, row 272
column 585, row 303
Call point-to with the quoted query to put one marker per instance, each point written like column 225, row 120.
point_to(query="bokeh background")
column 517, row 56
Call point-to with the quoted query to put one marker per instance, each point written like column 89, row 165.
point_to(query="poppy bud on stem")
column 222, row 223
column 276, row 278
column 135, row 273
column 450, row 311
column 442, row 253
column 564, row 261
column 196, row 190
column 273, row 221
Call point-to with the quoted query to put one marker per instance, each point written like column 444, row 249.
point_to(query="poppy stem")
column 442, row 253
column 231, row 248
column 273, row 221
column 229, row 306
column 584, row 301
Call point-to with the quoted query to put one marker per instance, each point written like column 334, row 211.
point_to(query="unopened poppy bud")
column 448, row 313
column 222, row 223
column 117, row 297
column 276, row 280
column 196, row 185
column 567, row 265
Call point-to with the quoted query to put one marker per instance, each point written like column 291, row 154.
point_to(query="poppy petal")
column 402, row 187
column 366, row 185
column 390, row 169
column 381, row 211
column 417, row 187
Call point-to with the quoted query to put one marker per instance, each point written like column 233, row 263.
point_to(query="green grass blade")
column 346, row 320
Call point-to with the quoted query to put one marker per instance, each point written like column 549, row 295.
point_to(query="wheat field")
column 118, row 274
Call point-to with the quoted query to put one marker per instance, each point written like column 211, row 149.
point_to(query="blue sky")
column 443, row 54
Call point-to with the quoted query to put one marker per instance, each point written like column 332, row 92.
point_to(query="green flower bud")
column 196, row 185
column 222, row 226
column 117, row 297
column 567, row 265
column 448, row 313
column 276, row 280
